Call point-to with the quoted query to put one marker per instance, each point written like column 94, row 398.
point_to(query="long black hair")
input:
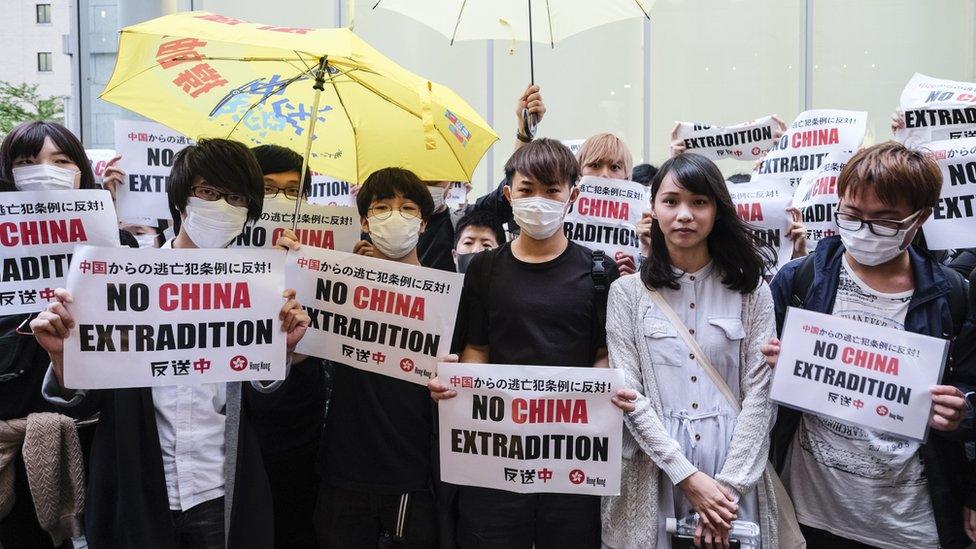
column 740, row 255
column 27, row 139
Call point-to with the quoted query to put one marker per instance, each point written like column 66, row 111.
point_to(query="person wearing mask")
column 688, row 449
column 34, row 156
column 839, row 474
column 477, row 232
column 289, row 431
column 534, row 301
column 162, row 474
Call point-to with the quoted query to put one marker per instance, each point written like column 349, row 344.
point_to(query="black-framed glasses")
column 879, row 227
column 383, row 212
column 291, row 193
column 212, row 195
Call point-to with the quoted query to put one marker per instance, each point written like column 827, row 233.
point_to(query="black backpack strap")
column 601, row 285
column 802, row 280
column 958, row 298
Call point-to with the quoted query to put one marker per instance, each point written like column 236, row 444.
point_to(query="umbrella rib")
column 264, row 98
column 552, row 41
column 348, row 119
column 457, row 23
column 641, row 6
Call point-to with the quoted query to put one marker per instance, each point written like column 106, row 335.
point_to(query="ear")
column 574, row 194
column 364, row 224
column 423, row 227
column 507, row 193
column 919, row 221
column 454, row 255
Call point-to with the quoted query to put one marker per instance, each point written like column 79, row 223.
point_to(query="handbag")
column 790, row 536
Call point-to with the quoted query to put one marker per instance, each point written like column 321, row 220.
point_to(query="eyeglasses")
column 212, row 195
column 383, row 212
column 292, row 193
column 879, row 227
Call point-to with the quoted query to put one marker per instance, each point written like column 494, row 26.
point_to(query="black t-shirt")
column 542, row 314
column 293, row 425
column 436, row 242
column 377, row 434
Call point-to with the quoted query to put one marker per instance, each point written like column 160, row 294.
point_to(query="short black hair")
column 739, row 178
column 392, row 182
column 643, row 174
column 545, row 160
column 278, row 159
column 480, row 218
column 224, row 164
column 27, row 139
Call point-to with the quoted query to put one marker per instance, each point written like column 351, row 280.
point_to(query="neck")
column 409, row 259
column 182, row 240
column 531, row 250
column 689, row 260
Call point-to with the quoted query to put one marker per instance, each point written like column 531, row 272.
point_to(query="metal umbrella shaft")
column 319, row 87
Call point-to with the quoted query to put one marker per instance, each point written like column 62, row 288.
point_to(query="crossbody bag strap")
column 700, row 356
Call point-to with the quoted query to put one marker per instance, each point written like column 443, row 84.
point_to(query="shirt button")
column 694, row 405
column 697, row 437
column 694, row 379
column 692, row 277
column 692, row 356
column 691, row 331
column 692, row 305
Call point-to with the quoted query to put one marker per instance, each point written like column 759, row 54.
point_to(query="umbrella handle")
column 319, row 87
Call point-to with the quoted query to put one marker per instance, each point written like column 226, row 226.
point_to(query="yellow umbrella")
column 322, row 92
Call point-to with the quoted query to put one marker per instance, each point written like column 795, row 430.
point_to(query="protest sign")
column 377, row 315
column 936, row 110
column 149, row 317
column 329, row 191
column 605, row 216
column 763, row 207
column 531, row 429
column 816, row 198
column 574, row 145
column 329, row 227
column 746, row 141
column 857, row 372
column 809, row 139
column 99, row 159
column 38, row 233
column 952, row 223
column 147, row 151
column 456, row 196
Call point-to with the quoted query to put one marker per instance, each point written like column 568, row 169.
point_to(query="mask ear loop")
column 29, row 331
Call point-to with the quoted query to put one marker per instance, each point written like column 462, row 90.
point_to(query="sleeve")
column 749, row 449
column 495, row 203
column 781, row 288
column 272, row 386
column 81, row 404
column 644, row 423
column 472, row 310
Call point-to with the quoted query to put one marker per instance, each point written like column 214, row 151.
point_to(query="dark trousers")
column 348, row 519
column 294, row 487
column 201, row 526
column 822, row 539
column 20, row 528
column 495, row 518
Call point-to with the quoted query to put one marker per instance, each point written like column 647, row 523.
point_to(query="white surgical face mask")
column 870, row 249
column 394, row 236
column 146, row 240
column 213, row 224
column 437, row 193
column 43, row 177
column 538, row 217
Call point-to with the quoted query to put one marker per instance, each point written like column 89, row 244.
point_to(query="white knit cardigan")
column 631, row 519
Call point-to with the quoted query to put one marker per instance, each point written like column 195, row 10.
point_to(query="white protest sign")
column 99, row 159
column 38, row 233
column 456, row 195
column 531, row 429
column 763, row 207
column 936, row 110
column 329, row 191
column 377, row 315
column 147, row 151
column 816, row 198
column 746, row 141
column 856, row 372
column 149, row 317
column 574, row 145
column 952, row 223
column 605, row 216
column 329, row 227
column 808, row 141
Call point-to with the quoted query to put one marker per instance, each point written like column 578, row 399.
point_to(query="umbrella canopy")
column 554, row 20
column 207, row 75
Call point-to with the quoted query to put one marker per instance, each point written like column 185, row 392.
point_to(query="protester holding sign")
column 689, row 448
column 166, row 461
column 851, row 485
column 539, row 301
column 38, row 156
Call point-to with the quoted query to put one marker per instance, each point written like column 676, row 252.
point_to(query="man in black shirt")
column 533, row 302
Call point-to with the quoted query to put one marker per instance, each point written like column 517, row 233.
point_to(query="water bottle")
column 745, row 532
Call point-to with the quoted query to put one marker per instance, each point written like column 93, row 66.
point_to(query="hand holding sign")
column 948, row 408
column 51, row 328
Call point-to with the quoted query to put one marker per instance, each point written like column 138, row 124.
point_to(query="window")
column 44, row 13
column 44, row 61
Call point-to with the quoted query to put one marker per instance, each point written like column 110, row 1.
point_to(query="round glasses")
column 291, row 193
column 383, row 212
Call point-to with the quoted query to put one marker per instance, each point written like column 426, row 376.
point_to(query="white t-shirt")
column 857, row 483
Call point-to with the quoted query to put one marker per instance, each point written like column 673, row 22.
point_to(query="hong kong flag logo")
column 406, row 365
column 238, row 363
column 576, row 476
